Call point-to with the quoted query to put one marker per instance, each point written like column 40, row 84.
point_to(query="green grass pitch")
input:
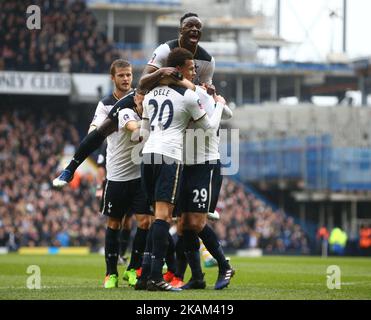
column 81, row 277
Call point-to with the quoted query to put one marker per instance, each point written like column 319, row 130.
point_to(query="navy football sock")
column 139, row 244
column 87, row 146
column 192, row 252
column 211, row 243
column 170, row 255
column 160, row 242
column 181, row 259
column 111, row 250
column 124, row 241
column 147, row 255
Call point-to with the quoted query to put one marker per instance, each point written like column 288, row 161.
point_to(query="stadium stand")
column 68, row 41
column 33, row 214
column 323, row 148
column 247, row 223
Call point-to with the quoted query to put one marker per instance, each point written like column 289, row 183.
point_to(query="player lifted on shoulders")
column 190, row 33
column 189, row 36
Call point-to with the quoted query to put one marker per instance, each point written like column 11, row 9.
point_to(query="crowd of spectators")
column 33, row 214
column 68, row 41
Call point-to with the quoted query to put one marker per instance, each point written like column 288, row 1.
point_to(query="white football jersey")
column 169, row 110
column 205, row 145
column 119, row 164
column 204, row 62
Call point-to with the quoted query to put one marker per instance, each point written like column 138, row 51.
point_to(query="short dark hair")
column 119, row 63
column 187, row 15
column 178, row 57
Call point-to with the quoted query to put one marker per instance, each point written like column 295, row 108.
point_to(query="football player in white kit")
column 200, row 190
column 122, row 194
column 189, row 36
column 167, row 111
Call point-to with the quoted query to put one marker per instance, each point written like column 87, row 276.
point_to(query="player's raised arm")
column 210, row 89
column 227, row 113
column 127, row 121
column 207, row 75
column 153, row 72
column 151, row 77
column 144, row 127
column 202, row 119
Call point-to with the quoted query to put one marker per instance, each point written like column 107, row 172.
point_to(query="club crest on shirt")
column 200, row 104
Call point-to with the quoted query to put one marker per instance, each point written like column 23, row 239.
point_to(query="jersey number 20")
column 167, row 103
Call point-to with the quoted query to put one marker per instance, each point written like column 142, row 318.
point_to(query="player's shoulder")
column 172, row 44
column 201, row 91
column 127, row 101
column 181, row 90
column 202, row 54
column 108, row 100
column 166, row 47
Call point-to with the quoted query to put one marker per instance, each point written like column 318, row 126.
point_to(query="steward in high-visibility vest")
column 338, row 239
column 365, row 238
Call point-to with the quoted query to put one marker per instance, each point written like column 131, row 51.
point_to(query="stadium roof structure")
column 144, row 5
column 288, row 67
column 316, row 196
column 223, row 22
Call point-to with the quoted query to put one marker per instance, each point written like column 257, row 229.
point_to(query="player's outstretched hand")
column 219, row 98
column 138, row 99
column 99, row 193
column 210, row 88
column 171, row 72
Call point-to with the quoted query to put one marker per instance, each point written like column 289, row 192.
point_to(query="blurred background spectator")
column 322, row 241
column 365, row 240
